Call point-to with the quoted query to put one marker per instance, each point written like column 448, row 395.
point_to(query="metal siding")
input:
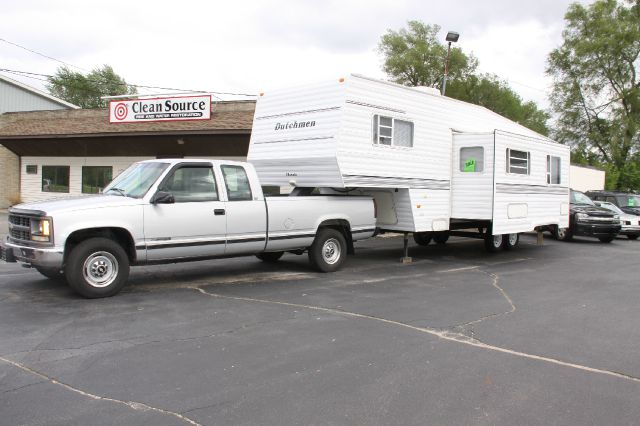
column 14, row 99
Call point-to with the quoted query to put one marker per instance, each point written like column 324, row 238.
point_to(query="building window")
column 553, row 170
column 55, row 178
column 32, row 169
column 518, row 162
column 95, row 178
column 392, row 132
column 237, row 183
column 472, row 159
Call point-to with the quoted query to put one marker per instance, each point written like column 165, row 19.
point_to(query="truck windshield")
column 136, row 180
column 580, row 198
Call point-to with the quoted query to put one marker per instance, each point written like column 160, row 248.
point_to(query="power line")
column 41, row 54
column 37, row 76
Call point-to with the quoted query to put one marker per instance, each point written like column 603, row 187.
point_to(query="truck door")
column 193, row 226
column 246, row 213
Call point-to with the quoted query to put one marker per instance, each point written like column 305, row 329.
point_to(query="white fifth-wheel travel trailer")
column 435, row 165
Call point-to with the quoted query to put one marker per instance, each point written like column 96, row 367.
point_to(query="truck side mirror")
column 162, row 197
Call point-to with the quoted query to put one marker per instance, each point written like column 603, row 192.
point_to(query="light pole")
column 452, row 37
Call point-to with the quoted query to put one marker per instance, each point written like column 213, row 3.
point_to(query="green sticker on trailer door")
column 470, row 165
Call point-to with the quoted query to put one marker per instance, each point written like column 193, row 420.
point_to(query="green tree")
column 596, row 88
column 85, row 91
column 413, row 56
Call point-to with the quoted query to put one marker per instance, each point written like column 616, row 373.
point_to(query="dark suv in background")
column 627, row 202
column 588, row 220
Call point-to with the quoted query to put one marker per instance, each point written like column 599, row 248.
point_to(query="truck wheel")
column 511, row 241
column 328, row 251
column 633, row 237
column 493, row 243
column 270, row 257
column 52, row 274
column 562, row 234
column 440, row 237
column 607, row 239
column 421, row 238
column 97, row 267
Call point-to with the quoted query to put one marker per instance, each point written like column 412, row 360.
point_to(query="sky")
column 256, row 46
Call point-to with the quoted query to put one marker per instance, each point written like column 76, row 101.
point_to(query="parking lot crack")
column 446, row 335
column 138, row 406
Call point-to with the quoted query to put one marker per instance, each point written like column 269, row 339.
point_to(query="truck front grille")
column 20, row 227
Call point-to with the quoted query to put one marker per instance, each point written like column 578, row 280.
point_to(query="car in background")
column 627, row 202
column 588, row 220
column 630, row 223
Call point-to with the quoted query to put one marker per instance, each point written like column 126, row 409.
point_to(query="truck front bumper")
column 36, row 256
column 596, row 230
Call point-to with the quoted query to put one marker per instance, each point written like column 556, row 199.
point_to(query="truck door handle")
column 218, row 212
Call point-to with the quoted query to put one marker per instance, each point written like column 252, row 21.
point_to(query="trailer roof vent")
column 427, row 89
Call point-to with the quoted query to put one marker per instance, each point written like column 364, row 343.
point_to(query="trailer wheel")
column 493, row 243
column 422, row 238
column 441, row 237
column 97, row 267
column 633, row 237
column 562, row 234
column 270, row 257
column 511, row 241
column 52, row 274
column 328, row 251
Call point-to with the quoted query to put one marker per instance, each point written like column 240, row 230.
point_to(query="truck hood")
column 86, row 202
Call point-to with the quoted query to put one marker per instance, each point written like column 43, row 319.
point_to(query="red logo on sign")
column 120, row 111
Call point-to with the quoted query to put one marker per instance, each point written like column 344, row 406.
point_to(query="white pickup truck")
column 166, row 211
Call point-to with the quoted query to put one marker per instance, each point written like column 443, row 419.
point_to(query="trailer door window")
column 553, row 170
column 472, row 159
column 392, row 132
column 518, row 162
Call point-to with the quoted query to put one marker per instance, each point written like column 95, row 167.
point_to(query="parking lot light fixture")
column 452, row 37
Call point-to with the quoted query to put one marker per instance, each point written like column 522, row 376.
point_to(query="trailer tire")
column 633, row 237
column 52, row 274
column 270, row 257
column 511, row 241
column 422, row 238
column 97, row 267
column 328, row 251
column 440, row 237
column 493, row 243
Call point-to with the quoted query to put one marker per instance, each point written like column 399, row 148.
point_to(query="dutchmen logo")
column 294, row 125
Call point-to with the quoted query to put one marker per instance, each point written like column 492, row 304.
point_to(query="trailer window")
column 472, row 159
column 518, row 162
column 392, row 132
column 553, row 170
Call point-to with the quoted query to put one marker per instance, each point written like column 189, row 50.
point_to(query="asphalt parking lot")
column 537, row 335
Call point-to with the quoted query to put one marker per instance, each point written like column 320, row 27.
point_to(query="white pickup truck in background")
column 166, row 211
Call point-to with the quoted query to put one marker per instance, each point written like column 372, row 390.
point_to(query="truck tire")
column 97, row 267
column 422, row 238
column 493, row 243
column 633, row 237
column 440, row 237
column 270, row 257
column 328, row 251
column 52, row 274
column 607, row 239
column 562, row 234
column 511, row 240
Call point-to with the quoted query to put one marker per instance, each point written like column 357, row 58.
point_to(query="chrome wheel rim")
column 331, row 251
column 100, row 269
column 513, row 239
column 497, row 240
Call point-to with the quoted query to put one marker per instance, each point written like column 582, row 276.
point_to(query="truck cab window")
column 190, row 184
column 237, row 183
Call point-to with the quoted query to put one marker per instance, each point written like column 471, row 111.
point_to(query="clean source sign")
column 160, row 109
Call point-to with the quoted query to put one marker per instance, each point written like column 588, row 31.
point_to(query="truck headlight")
column 582, row 216
column 41, row 230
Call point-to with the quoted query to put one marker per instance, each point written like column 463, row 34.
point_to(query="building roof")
column 226, row 117
column 37, row 92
